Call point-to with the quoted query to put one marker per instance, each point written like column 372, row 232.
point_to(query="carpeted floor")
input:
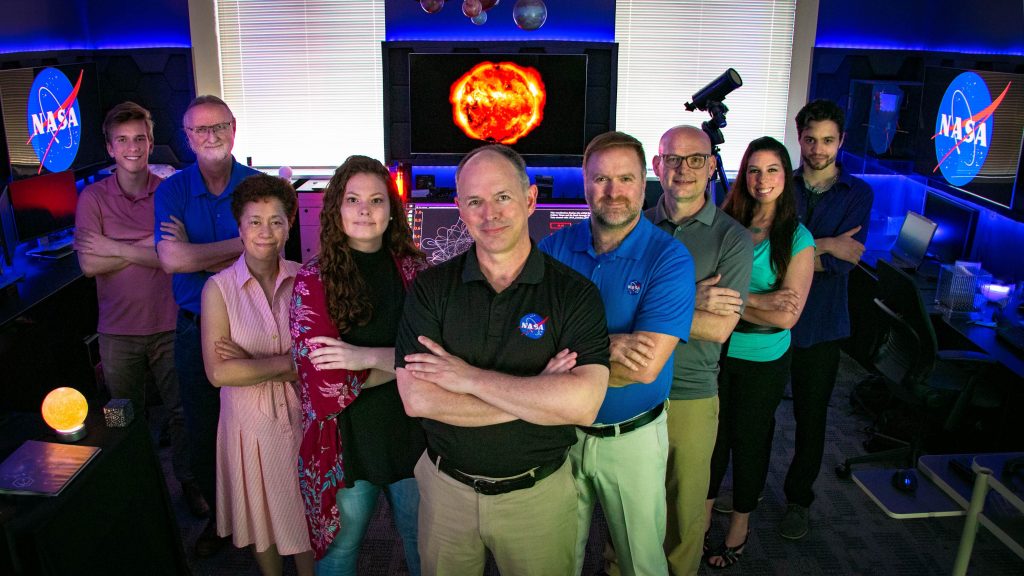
column 849, row 534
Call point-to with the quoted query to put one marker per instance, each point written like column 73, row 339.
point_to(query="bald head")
column 690, row 134
column 679, row 150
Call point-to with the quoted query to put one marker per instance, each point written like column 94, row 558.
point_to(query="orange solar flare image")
column 498, row 102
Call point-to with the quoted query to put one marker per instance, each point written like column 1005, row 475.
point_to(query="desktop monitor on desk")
column 438, row 231
column 40, row 208
column 956, row 224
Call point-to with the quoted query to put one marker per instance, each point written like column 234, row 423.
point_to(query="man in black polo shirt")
column 501, row 350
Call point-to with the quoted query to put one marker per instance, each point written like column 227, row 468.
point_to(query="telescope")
column 709, row 99
column 716, row 91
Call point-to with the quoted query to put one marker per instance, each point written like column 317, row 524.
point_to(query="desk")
column 928, row 501
column 44, row 319
column 41, row 280
column 114, row 518
column 862, row 292
column 1002, row 513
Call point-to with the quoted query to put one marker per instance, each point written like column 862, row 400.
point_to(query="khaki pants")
column 692, row 429
column 529, row 532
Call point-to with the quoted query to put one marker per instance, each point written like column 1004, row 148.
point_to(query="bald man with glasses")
column 723, row 254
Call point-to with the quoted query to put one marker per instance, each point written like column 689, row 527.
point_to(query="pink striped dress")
column 260, row 427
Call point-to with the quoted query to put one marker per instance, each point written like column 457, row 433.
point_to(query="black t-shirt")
column 549, row 307
column 379, row 443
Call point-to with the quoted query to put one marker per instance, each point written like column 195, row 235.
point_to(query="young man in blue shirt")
column 646, row 280
column 836, row 207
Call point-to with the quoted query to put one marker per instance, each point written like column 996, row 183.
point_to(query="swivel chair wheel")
column 843, row 471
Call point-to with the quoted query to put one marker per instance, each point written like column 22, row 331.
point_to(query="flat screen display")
column 43, row 204
column 535, row 103
column 912, row 243
column 956, row 224
column 972, row 128
column 439, row 232
column 52, row 120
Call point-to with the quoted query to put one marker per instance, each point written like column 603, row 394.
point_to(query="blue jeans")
column 200, row 402
column 356, row 506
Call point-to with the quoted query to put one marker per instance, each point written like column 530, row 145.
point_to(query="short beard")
column 807, row 162
column 604, row 223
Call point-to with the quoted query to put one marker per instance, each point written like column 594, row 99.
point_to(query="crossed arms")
column 443, row 387
column 227, row 363
column 178, row 255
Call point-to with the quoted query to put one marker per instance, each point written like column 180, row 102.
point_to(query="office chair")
column 936, row 386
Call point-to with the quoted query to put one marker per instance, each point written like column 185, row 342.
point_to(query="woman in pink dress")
column 247, row 353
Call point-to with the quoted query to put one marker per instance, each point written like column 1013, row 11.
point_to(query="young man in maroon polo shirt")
column 137, row 313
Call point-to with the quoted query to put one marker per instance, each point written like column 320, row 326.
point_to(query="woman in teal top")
column 754, row 373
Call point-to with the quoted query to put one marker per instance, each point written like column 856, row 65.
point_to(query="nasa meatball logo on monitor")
column 963, row 128
column 53, row 119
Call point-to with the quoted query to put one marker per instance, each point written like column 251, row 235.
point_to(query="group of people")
column 496, row 398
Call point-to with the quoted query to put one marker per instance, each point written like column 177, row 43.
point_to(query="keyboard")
column 55, row 249
column 1012, row 335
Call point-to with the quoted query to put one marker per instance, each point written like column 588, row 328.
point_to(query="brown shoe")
column 208, row 542
column 194, row 499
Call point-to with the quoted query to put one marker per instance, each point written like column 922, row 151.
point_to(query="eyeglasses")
column 694, row 161
column 203, row 131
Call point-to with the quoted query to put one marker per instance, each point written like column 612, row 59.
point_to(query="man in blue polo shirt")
column 646, row 280
column 197, row 235
column 836, row 207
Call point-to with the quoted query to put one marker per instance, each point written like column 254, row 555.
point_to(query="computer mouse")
column 904, row 480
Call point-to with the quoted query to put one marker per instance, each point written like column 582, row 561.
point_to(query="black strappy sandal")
column 730, row 554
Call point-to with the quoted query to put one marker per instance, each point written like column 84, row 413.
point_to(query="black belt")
column 624, row 427
column 489, row 487
column 188, row 315
column 745, row 327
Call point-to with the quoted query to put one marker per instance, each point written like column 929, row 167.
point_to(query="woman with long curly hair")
column 357, row 440
column 754, row 373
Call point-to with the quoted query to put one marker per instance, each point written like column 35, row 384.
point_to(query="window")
column 669, row 49
column 303, row 77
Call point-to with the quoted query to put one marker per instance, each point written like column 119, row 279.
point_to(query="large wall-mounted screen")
column 535, row 103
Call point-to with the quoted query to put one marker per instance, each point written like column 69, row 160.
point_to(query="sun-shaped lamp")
column 64, row 410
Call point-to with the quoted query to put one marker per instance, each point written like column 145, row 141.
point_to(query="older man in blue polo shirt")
column 197, row 235
column 646, row 280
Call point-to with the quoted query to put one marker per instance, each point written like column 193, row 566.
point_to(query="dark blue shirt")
column 207, row 219
column 843, row 207
column 647, row 284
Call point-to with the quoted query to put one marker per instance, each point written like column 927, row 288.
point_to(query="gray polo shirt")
column 718, row 245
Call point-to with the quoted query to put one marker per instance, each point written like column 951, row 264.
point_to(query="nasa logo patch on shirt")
column 633, row 287
column 532, row 326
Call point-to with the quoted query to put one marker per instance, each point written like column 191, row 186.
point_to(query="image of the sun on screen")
column 498, row 101
column 535, row 103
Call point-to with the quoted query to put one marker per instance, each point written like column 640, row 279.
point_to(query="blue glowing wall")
column 579, row 20
column 52, row 25
column 990, row 27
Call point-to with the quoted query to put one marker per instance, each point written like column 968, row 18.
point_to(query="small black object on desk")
column 904, row 480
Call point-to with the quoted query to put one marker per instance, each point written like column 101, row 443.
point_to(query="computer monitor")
column 956, row 224
column 43, row 205
column 438, row 231
column 912, row 243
